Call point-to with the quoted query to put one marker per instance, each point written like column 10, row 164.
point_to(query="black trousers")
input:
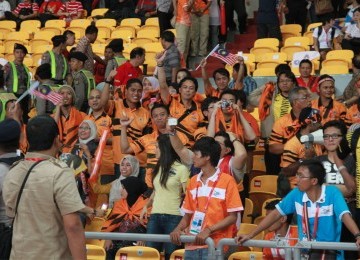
column 164, row 20
column 272, row 162
column 239, row 7
column 265, row 30
column 297, row 15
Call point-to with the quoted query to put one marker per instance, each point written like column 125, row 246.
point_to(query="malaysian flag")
column 45, row 92
column 225, row 56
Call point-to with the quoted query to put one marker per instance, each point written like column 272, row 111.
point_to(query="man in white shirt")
column 4, row 6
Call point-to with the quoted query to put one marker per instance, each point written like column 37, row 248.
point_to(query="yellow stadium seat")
column 267, row 42
column 131, row 22
column 148, row 33
column 99, row 48
column 22, row 36
column 103, row 34
column 95, row 252
column 312, row 26
column 142, row 41
column 249, row 59
column 153, row 47
column 268, row 64
column 79, row 32
column 125, row 34
column 291, row 28
column 150, row 61
column 298, row 41
column 151, row 26
column 265, row 72
column 263, row 210
column 57, row 31
column 258, row 220
column 60, row 24
column 286, row 35
column 152, row 21
column 248, row 211
column 335, row 62
column 99, row 11
column 274, row 56
column 83, row 23
column 126, row 54
column 9, row 56
column 9, row 45
column 178, row 255
column 246, row 255
column 2, row 50
column 129, row 46
column 266, row 183
column 28, row 61
column 108, row 23
column 5, row 31
column 341, row 54
column 309, row 35
column 260, row 51
column 35, row 49
column 95, row 226
column 290, row 50
column 137, row 253
column 44, row 35
column 36, row 58
column 246, row 228
column 39, row 42
column 334, row 69
column 30, row 26
column 8, row 25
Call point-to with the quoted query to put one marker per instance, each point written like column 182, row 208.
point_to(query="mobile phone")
column 172, row 121
column 104, row 206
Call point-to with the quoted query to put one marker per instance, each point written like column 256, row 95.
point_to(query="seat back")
column 267, row 42
column 99, row 11
column 264, row 72
column 83, row 23
column 137, row 253
column 290, row 50
column 298, row 41
column 246, row 255
column 109, row 23
column 95, row 252
column 263, row 183
column 248, row 211
column 178, row 255
column 95, row 226
column 131, row 22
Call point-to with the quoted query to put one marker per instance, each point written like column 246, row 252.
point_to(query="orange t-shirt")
column 279, row 253
column 334, row 111
column 283, row 129
column 352, row 115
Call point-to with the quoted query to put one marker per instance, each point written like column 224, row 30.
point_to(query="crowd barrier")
column 217, row 253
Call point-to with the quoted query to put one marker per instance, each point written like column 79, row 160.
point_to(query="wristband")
column 340, row 168
column 108, row 81
column 236, row 140
column 357, row 235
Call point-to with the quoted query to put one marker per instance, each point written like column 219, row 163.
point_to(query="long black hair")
column 167, row 158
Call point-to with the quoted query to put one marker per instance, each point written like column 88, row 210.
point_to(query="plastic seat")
column 267, row 42
column 268, row 64
column 57, row 31
column 140, row 42
column 36, row 59
column 79, row 32
column 9, row 45
column 83, row 23
column 8, row 25
column 335, row 62
column 262, row 183
column 99, row 48
column 95, row 226
column 2, row 50
column 103, row 34
column 153, row 47
column 60, row 24
column 259, row 219
column 151, row 26
column 274, row 56
column 35, row 48
column 258, row 198
column 129, row 46
column 150, row 61
column 178, row 255
column 30, row 26
column 148, row 33
column 259, row 163
column 5, row 31
column 99, row 11
column 137, row 253
column 249, row 59
column 248, row 211
column 265, row 72
column 21, row 36
column 341, row 54
column 309, row 35
column 246, row 255
column 312, row 26
column 95, row 252
column 290, row 50
column 44, row 35
column 125, row 34
column 108, row 23
column 335, row 70
column 298, row 41
column 260, row 51
column 131, row 22
column 263, row 210
column 291, row 28
column 152, row 21
column 28, row 61
column 246, row 228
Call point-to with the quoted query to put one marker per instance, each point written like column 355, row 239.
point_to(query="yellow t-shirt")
column 281, row 106
column 167, row 200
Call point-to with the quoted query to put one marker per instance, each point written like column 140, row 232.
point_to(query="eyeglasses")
column 333, row 136
column 304, row 98
column 84, row 128
column 298, row 175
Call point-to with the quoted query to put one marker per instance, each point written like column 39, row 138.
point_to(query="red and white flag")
column 225, row 56
column 45, row 92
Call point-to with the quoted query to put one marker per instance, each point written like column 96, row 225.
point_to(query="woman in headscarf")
column 150, row 92
column 129, row 166
column 125, row 216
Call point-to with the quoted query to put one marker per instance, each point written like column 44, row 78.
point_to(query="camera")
column 172, row 121
column 225, row 104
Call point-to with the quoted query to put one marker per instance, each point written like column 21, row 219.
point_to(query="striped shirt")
column 34, row 7
column 73, row 7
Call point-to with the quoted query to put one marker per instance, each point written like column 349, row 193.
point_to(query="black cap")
column 309, row 115
column 18, row 46
column 117, row 45
column 58, row 39
column 78, row 55
column 9, row 131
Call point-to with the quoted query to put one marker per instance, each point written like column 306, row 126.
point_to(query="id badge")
column 197, row 222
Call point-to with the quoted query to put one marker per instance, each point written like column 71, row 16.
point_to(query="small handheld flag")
column 45, row 92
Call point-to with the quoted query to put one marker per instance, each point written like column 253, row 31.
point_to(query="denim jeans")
column 197, row 254
column 163, row 224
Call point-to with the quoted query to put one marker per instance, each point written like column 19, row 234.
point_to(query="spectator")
column 59, row 66
column 151, row 92
column 169, row 181
column 325, row 37
column 83, row 80
column 305, row 79
column 99, row 68
column 240, row 9
column 117, row 47
column 171, row 61
column 329, row 108
column 350, row 94
column 221, row 77
column 125, row 215
column 84, row 46
column 49, row 11
column 130, row 69
column 165, row 13
column 25, row 10
column 248, row 84
column 199, row 32
column 68, row 118
column 71, row 10
column 295, row 12
column 353, row 112
column 310, row 194
column 202, row 219
column 64, row 237
column 121, row 9
column 214, row 22
column 9, row 143
column 145, row 9
column 4, row 7
column 351, row 40
column 267, row 20
column 349, row 16
column 70, row 41
column 129, row 167
column 17, row 77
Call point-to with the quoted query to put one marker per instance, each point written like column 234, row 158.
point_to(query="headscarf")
column 154, row 83
column 134, row 187
column 115, row 191
column 93, row 131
